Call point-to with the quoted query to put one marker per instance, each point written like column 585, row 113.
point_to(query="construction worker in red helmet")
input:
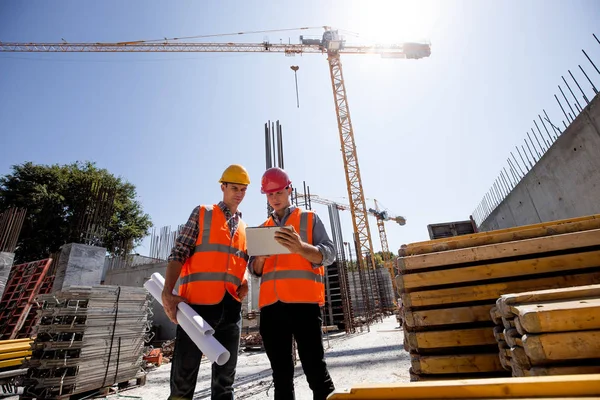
column 292, row 290
column 210, row 260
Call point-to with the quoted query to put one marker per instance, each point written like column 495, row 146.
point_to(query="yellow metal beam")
column 11, row 347
column 505, row 388
column 15, row 354
column 12, row 363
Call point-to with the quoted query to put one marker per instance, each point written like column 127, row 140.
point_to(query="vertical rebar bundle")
column 11, row 222
column 342, row 269
column 273, row 149
column 162, row 244
column 93, row 213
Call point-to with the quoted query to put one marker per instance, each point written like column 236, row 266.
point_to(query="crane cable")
column 223, row 34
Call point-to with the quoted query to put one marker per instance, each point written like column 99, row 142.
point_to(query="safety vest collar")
column 207, row 224
column 303, row 226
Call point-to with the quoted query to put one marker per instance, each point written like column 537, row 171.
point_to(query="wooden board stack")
column 549, row 332
column 87, row 338
column 448, row 287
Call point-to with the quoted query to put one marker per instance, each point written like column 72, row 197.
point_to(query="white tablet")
column 261, row 241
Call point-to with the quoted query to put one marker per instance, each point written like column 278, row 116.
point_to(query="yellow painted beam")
column 12, row 363
column 495, row 388
column 15, row 354
column 11, row 341
column 9, row 348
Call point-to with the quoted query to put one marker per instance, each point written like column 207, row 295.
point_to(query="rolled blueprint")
column 187, row 311
column 206, row 342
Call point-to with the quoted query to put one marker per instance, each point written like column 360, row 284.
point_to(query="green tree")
column 52, row 195
column 379, row 257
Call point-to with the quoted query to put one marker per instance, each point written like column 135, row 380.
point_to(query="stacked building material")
column 13, row 353
column 549, row 332
column 88, row 338
column 449, row 286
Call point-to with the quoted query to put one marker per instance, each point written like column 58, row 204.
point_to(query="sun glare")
column 392, row 21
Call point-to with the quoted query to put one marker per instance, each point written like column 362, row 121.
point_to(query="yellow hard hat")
column 235, row 173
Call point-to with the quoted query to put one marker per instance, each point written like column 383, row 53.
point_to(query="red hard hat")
column 274, row 180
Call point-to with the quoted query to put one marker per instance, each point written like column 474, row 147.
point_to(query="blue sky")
column 431, row 134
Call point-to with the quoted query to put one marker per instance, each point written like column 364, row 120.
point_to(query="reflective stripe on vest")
column 304, row 227
column 294, row 274
column 221, row 248
column 211, row 277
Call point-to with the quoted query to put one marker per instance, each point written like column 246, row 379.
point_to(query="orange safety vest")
column 291, row 278
column 218, row 262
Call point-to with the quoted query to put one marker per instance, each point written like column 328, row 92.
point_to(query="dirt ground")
column 360, row 358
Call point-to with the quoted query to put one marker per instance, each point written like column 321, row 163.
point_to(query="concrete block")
column 6, row 262
column 79, row 264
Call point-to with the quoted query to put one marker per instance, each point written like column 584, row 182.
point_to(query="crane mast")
column 358, row 207
column 387, row 260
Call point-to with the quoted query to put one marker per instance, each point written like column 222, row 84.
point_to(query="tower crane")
column 381, row 216
column 331, row 44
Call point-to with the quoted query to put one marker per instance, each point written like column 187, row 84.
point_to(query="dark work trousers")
column 278, row 322
column 225, row 318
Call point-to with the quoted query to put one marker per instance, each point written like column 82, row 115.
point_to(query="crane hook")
column 295, row 68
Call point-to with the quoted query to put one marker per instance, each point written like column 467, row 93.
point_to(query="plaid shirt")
column 186, row 241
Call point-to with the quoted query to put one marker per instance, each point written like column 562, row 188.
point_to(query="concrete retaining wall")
column 565, row 183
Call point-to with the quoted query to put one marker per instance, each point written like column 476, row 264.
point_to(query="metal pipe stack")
column 88, row 338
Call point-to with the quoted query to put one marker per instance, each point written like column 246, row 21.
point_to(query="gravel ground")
column 363, row 357
column 359, row 358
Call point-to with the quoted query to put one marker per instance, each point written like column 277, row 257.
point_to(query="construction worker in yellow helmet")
column 209, row 259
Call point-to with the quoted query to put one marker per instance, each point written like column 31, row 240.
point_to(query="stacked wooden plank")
column 549, row 332
column 88, row 338
column 449, row 286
